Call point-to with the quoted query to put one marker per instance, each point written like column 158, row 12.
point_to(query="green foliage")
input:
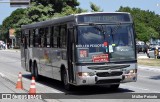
column 58, row 5
column 147, row 23
column 11, row 22
column 39, row 10
column 36, row 13
column 1, row 34
column 95, row 8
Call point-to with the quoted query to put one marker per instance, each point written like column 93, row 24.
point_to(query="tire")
column 67, row 86
column 36, row 75
column 32, row 70
column 114, row 87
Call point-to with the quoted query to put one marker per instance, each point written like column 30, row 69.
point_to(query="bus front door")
column 70, row 55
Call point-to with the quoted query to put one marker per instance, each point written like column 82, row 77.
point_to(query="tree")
column 147, row 23
column 40, row 10
column 1, row 34
column 11, row 22
column 36, row 13
column 144, row 33
column 95, row 8
column 57, row 5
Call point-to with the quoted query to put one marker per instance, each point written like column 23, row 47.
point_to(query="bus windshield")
column 105, row 43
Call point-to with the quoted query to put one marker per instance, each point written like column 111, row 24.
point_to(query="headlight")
column 85, row 74
column 131, row 71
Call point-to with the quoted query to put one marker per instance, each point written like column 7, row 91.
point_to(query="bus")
column 82, row 49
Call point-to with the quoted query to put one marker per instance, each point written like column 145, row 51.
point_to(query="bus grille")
column 106, row 74
column 108, row 81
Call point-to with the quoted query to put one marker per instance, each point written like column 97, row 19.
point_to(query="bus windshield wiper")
column 98, row 28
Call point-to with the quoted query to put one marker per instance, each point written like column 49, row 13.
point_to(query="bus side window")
column 48, row 35
column 63, row 36
column 30, row 38
column 36, row 40
column 51, row 36
column 33, row 33
column 22, row 37
column 45, row 37
column 55, row 36
column 41, row 37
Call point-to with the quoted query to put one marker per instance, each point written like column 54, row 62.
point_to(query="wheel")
column 67, row 86
column 32, row 70
column 114, row 87
column 36, row 75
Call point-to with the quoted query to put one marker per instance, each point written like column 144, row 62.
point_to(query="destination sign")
column 104, row 18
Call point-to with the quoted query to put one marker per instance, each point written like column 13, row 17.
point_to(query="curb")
column 150, row 68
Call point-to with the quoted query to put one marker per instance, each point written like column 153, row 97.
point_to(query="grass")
column 149, row 62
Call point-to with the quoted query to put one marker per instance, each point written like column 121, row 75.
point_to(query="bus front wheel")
column 67, row 86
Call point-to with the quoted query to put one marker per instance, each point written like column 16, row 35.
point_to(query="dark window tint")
column 63, row 36
column 56, row 36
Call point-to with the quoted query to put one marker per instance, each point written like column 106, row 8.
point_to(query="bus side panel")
column 41, row 55
column 58, row 59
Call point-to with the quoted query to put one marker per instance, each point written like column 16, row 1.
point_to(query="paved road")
column 10, row 66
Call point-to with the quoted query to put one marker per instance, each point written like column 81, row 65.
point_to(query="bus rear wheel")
column 36, row 75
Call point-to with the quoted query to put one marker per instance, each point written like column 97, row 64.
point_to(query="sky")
column 105, row 5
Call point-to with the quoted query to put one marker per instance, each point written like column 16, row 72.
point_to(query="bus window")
column 63, row 37
column 36, row 39
column 33, row 41
column 51, row 36
column 48, row 37
column 22, row 36
column 55, row 36
column 41, row 37
column 31, row 38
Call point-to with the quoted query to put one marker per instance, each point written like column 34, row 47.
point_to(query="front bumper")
column 106, row 77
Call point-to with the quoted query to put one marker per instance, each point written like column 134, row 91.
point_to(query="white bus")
column 82, row 49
